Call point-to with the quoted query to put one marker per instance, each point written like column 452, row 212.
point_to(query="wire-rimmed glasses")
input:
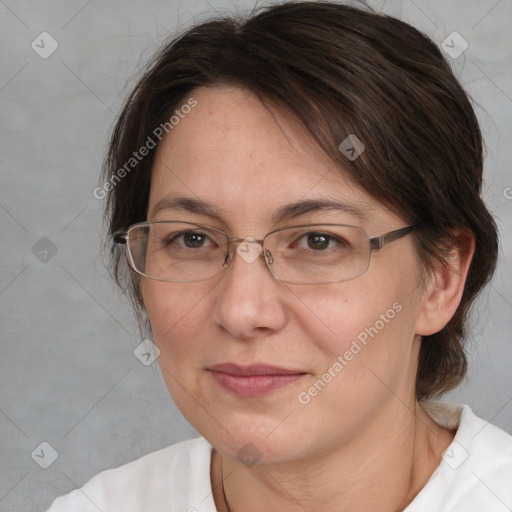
column 185, row 252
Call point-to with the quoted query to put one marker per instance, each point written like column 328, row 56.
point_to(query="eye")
column 190, row 240
column 317, row 241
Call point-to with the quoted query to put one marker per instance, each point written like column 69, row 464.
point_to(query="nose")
column 249, row 302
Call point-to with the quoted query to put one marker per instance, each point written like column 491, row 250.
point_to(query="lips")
column 253, row 370
column 253, row 380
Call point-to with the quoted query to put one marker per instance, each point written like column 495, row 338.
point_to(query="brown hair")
column 341, row 70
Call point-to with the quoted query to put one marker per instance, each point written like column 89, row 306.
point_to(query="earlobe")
column 443, row 294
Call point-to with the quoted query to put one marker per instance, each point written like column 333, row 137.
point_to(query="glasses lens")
column 318, row 254
column 176, row 251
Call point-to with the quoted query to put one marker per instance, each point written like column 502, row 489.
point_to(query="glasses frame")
column 376, row 243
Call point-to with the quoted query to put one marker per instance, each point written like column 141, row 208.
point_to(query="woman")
column 306, row 234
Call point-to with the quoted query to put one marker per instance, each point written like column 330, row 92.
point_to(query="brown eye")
column 194, row 240
column 318, row 241
column 189, row 240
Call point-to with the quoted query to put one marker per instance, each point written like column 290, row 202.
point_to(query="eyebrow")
column 188, row 204
column 292, row 210
column 285, row 212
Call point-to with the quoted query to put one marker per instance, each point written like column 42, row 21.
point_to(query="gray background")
column 68, row 374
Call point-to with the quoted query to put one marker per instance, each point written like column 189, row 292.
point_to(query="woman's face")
column 351, row 347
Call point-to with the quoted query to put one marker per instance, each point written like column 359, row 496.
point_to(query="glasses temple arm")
column 120, row 238
column 378, row 242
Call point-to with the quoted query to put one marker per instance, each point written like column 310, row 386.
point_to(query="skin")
column 362, row 443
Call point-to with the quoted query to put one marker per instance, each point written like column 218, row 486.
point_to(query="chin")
column 254, row 437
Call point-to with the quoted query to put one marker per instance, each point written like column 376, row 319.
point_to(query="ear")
column 443, row 293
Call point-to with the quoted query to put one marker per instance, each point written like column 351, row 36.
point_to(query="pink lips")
column 254, row 380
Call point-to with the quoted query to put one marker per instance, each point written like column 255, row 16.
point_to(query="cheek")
column 346, row 313
column 361, row 329
column 179, row 321
column 363, row 349
column 177, row 313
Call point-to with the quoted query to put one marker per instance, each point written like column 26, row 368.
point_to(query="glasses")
column 186, row 252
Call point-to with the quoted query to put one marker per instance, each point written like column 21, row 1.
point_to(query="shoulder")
column 173, row 478
column 475, row 473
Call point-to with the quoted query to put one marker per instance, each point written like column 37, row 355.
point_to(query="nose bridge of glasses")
column 249, row 249
column 248, row 239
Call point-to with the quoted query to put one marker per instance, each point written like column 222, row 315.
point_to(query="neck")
column 383, row 469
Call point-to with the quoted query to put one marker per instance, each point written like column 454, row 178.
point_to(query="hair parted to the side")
column 340, row 70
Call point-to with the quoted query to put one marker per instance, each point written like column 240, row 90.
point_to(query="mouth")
column 254, row 380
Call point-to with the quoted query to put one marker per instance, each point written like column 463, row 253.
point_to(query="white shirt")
column 475, row 475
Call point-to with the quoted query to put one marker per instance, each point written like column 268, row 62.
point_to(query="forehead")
column 247, row 158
